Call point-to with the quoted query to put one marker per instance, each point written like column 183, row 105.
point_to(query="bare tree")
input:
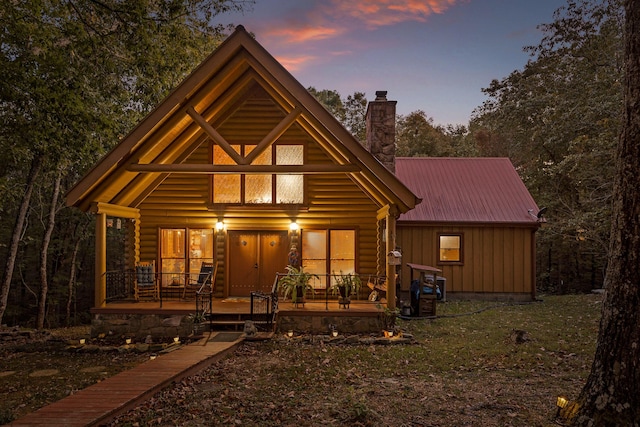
column 44, row 249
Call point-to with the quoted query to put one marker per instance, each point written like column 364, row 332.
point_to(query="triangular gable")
column 466, row 190
column 190, row 115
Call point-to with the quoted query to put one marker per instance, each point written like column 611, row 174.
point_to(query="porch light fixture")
column 128, row 341
column 82, row 341
column 390, row 333
column 219, row 226
column 294, row 227
column 290, row 333
column 176, row 339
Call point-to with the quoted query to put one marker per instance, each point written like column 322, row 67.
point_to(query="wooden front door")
column 254, row 259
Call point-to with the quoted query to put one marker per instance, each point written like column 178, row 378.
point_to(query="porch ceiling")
column 240, row 93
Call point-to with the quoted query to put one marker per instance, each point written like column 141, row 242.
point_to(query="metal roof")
column 466, row 190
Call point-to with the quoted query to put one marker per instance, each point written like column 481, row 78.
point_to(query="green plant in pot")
column 197, row 320
column 346, row 285
column 296, row 283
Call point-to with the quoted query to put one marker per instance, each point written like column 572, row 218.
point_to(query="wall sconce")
column 128, row 341
column 220, row 226
column 294, row 227
column 82, row 341
column 290, row 333
column 176, row 340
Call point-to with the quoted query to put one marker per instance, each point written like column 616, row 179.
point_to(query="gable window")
column 325, row 252
column 259, row 189
column 450, row 248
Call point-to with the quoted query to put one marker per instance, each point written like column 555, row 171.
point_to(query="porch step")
column 232, row 324
column 226, row 325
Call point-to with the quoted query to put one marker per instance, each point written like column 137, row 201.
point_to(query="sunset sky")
column 430, row 55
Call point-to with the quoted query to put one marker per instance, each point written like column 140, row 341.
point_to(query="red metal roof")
column 462, row 190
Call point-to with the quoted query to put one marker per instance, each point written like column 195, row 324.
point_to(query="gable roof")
column 466, row 190
column 239, row 73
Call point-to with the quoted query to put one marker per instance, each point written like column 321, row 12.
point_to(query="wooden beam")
column 273, row 135
column 209, row 169
column 115, row 210
column 216, row 137
column 391, row 271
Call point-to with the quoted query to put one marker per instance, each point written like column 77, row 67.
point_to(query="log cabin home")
column 238, row 170
column 235, row 168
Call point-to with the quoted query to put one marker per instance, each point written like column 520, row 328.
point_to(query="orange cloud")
column 305, row 33
column 327, row 20
column 379, row 13
column 295, row 63
column 332, row 19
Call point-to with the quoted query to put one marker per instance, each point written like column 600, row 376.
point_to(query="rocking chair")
column 146, row 285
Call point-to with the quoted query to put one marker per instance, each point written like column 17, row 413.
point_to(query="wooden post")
column 100, row 296
column 391, row 269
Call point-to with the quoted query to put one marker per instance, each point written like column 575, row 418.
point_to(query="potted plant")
column 346, row 285
column 296, row 283
column 197, row 319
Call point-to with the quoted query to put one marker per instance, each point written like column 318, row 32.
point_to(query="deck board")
column 103, row 401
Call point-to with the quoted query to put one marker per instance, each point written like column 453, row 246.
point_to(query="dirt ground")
column 500, row 367
column 266, row 384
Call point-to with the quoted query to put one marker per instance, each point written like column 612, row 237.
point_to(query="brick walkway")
column 101, row 402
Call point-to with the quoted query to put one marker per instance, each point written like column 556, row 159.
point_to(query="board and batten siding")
column 497, row 260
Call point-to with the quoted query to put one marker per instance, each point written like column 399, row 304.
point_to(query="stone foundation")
column 321, row 322
column 168, row 325
column 139, row 326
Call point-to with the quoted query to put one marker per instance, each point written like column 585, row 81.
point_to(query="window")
column 259, row 189
column 328, row 251
column 450, row 248
column 176, row 261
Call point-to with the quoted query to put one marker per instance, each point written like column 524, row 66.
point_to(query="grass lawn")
column 478, row 364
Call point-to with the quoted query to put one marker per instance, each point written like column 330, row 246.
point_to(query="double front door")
column 254, row 259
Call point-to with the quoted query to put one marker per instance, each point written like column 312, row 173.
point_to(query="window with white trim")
column 259, row 189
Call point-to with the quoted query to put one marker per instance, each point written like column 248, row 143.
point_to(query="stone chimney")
column 381, row 130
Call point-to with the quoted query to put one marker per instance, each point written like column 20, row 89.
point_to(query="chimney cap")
column 381, row 95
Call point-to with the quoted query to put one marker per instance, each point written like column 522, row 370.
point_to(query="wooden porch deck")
column 236, row 306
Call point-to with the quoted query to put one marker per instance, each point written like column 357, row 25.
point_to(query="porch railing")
column 264, row 307
column 323, row 289
column 120, row 284
column 261, row 314
column 204, row 294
